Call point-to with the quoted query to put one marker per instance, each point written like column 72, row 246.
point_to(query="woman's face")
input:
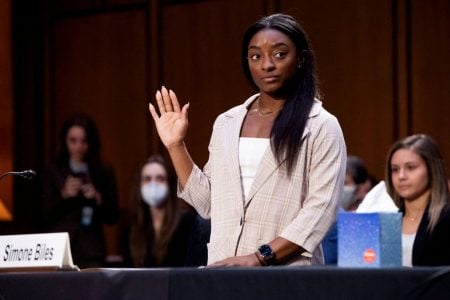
column 76, row 142
column 272, row 59
column 409, row 174
column 153, row 172
column 154, row 185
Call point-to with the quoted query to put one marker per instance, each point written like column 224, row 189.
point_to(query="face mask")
column 348, row 196
column 154, row 194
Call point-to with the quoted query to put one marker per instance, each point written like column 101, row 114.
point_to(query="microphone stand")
column 27, row 174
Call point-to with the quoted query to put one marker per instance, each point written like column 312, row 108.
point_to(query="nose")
column 401, row 174
column 79, row 145
column 267, row 63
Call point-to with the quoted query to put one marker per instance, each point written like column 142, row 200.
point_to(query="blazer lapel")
column 269, row 164
column 232, row 132
column 266, row 167
column 420, row 240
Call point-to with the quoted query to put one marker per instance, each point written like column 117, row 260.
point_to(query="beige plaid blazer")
column 300, row 209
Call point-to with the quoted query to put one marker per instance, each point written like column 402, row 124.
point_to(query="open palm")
column 172, row 124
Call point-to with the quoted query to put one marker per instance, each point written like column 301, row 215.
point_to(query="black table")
column 230, row 283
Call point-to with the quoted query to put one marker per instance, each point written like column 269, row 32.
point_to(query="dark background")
column 383, row 65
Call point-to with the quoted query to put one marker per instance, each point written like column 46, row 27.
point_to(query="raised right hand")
column 172, row 124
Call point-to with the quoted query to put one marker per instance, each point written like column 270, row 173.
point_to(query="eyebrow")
column 273, row 46
column 406, row 163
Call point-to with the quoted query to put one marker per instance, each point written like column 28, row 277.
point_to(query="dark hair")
column 92, row 137
column 357, row 169
column 288, row 128
column 143, row 244
column 427, row 149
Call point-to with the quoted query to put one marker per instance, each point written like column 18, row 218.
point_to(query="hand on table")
column 249, row 260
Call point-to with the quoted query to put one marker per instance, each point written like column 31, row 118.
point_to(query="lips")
column 403, row 187
column 269, row 79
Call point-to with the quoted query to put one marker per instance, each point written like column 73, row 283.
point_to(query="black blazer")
column 433, row 249
column 87, row 242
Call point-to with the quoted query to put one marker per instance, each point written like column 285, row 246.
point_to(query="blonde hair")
column 427, row 149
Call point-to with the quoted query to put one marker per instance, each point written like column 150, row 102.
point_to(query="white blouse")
column 251, row 151
column 407, row 246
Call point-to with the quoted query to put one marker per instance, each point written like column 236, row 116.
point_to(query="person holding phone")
column 81, row 192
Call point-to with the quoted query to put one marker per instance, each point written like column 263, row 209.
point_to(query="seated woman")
column 159, row 233
column 417, row 182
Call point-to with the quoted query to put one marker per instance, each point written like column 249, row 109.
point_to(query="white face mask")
column 154, row 194
column 348, row 196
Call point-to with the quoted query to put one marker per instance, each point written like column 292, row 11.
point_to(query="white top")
column 407, row 246
column 79, row 167
column 377, row 200
column 251, row 151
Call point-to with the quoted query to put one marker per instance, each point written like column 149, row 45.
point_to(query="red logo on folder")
column 369, row 256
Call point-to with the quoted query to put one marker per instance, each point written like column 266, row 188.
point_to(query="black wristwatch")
column 267, row 255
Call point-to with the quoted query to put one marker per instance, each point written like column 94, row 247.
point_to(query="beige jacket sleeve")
column 300, row 208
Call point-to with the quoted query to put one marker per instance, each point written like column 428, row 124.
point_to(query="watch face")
column 266, row 252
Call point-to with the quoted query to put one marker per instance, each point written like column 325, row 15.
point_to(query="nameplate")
column 35, row 251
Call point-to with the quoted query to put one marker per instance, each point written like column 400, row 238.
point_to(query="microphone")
column 27, row 174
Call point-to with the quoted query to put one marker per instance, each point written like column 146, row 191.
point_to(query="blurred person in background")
column 358, row 182
column 416, row 180
column 80, row 193
column 159, row 233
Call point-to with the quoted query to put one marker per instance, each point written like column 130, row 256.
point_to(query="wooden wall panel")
column 430, row 71
column 99, row 69
column 353, row 45
column 383, row 67
column 6, row 104
column 75, row 7
column 201, row 61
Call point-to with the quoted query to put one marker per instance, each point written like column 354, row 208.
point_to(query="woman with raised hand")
column 276, row 162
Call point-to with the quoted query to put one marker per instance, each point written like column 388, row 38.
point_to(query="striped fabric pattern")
column 300, row 209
